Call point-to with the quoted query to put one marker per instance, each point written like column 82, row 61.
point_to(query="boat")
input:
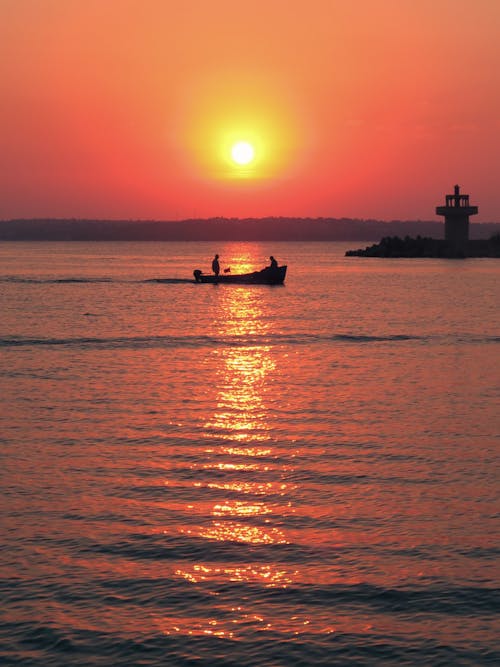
column 268, row 276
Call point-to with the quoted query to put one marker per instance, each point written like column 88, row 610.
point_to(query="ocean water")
column 193, row 474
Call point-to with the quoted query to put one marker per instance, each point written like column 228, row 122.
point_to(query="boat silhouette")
column 267, row 276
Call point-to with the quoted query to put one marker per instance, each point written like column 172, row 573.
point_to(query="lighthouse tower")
column 456, row 222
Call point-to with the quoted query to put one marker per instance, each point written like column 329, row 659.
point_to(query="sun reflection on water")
column 270, row 576
column 250, row 486
column 233, row 531
column 240, row 414
column 241, row 419
column 240, row 508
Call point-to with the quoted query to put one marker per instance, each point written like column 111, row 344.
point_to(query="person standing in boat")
column 215, row 265
column 274, row 264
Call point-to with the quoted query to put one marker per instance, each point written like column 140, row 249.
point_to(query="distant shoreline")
column 274, row 229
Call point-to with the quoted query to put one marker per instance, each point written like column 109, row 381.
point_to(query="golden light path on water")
column 243, row 446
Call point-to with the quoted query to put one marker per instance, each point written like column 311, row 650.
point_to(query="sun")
column 242, row 152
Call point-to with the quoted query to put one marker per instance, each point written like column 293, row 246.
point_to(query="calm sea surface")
column 227, row 475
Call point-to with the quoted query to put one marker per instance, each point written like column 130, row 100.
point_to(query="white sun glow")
column 242, row 152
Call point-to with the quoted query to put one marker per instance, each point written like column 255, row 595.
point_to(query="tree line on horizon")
column 227, row 229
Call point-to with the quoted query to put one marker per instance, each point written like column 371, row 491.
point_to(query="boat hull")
column 267, row 276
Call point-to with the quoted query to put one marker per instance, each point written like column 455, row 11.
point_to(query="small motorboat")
column 268, row 276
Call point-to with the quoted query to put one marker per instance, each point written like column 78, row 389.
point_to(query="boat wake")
column 54, row 281
column 190, row 341
column 169, row 281
column 84, row 281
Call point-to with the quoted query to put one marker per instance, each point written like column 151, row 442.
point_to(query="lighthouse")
column 456, row 222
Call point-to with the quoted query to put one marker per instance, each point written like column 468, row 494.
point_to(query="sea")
column 224, row 475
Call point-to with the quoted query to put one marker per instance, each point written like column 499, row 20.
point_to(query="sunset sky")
column 351, row 108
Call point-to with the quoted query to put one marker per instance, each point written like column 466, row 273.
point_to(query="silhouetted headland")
column 395, row 246
column 456, row 242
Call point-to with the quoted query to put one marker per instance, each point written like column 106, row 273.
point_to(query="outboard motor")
column 197, row 273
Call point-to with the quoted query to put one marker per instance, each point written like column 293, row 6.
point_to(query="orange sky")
column 366, row 108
